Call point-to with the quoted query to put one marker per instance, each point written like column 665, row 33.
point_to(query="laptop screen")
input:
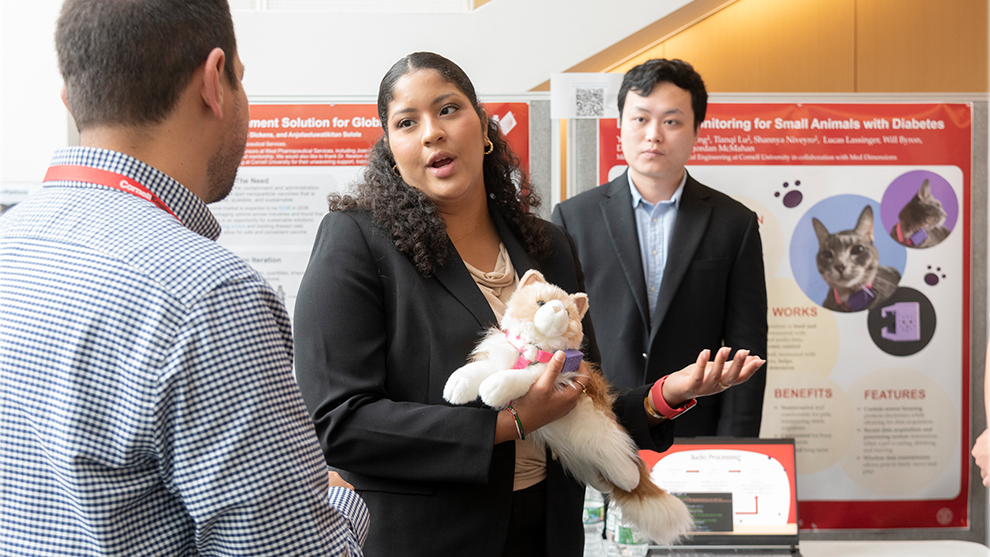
column 739, row 491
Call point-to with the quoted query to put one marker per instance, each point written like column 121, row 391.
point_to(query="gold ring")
column 584, row 388
column 723, row 385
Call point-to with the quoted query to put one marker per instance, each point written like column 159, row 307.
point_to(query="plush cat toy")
column 540, row 319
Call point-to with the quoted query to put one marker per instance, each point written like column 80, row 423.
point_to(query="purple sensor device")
column 572, row 361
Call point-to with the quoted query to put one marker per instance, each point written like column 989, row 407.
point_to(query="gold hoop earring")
column 490, row 148
column 395, row 171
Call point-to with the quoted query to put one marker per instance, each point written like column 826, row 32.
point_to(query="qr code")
column 591, row 102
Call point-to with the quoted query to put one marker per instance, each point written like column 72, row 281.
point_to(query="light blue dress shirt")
column 655, row 225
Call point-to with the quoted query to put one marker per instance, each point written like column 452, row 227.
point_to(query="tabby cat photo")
column 850, row 265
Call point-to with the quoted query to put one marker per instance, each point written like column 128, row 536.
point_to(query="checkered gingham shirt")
column 147, row 404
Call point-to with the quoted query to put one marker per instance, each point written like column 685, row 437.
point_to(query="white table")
column 906, row 548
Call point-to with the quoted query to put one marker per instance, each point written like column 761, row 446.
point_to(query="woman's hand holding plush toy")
column 543, row 403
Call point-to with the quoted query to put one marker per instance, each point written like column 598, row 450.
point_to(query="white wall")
column 506, row 46
column 33, row 122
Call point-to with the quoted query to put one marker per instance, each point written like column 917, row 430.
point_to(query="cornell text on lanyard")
column 90, row 175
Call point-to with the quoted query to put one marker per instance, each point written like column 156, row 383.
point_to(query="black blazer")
column 713, row 294
column 375, row 344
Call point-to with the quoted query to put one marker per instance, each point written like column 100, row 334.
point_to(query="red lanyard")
column 90, row 175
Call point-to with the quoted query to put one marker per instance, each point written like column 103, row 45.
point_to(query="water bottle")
column 623, row 539
column 594, row 523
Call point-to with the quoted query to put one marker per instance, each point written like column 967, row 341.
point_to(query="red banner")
column 813, row 134
column 342, row 134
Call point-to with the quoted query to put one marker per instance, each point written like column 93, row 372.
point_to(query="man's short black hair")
column 125, row 62
column 644, row 77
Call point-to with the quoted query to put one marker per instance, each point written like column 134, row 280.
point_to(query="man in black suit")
column 671, row 266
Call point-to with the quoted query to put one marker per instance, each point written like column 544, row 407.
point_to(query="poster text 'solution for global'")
column 295, row 156
column 869, row 375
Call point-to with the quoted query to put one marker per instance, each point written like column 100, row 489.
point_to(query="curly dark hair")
column 408, row 215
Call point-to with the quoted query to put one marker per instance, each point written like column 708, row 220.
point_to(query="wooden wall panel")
column 655, row 52
column 836, row 46
column 921, row 46
column 773, row 46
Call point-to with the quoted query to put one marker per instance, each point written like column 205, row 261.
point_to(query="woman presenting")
column 404, row 276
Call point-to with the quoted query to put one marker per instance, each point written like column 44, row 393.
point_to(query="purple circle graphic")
column 931, row 279
column 792, row 199
column 905, row 186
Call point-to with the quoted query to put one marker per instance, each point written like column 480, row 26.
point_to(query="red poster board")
column 342, row 134
column 881, row 424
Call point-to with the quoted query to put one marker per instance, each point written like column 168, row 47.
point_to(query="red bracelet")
column 670, row 413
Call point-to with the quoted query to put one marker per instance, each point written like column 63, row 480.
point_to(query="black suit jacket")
column 375, row 344
column 713, row 293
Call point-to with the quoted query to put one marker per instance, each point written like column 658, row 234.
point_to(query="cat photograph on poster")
column 920, row 221
column 842, row 256
column 849, row 263
column 919, row 209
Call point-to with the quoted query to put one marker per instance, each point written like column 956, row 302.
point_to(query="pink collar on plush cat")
column 521, row 345
column 914, row 240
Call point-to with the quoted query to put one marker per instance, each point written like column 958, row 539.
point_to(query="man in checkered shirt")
column 147, row 403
